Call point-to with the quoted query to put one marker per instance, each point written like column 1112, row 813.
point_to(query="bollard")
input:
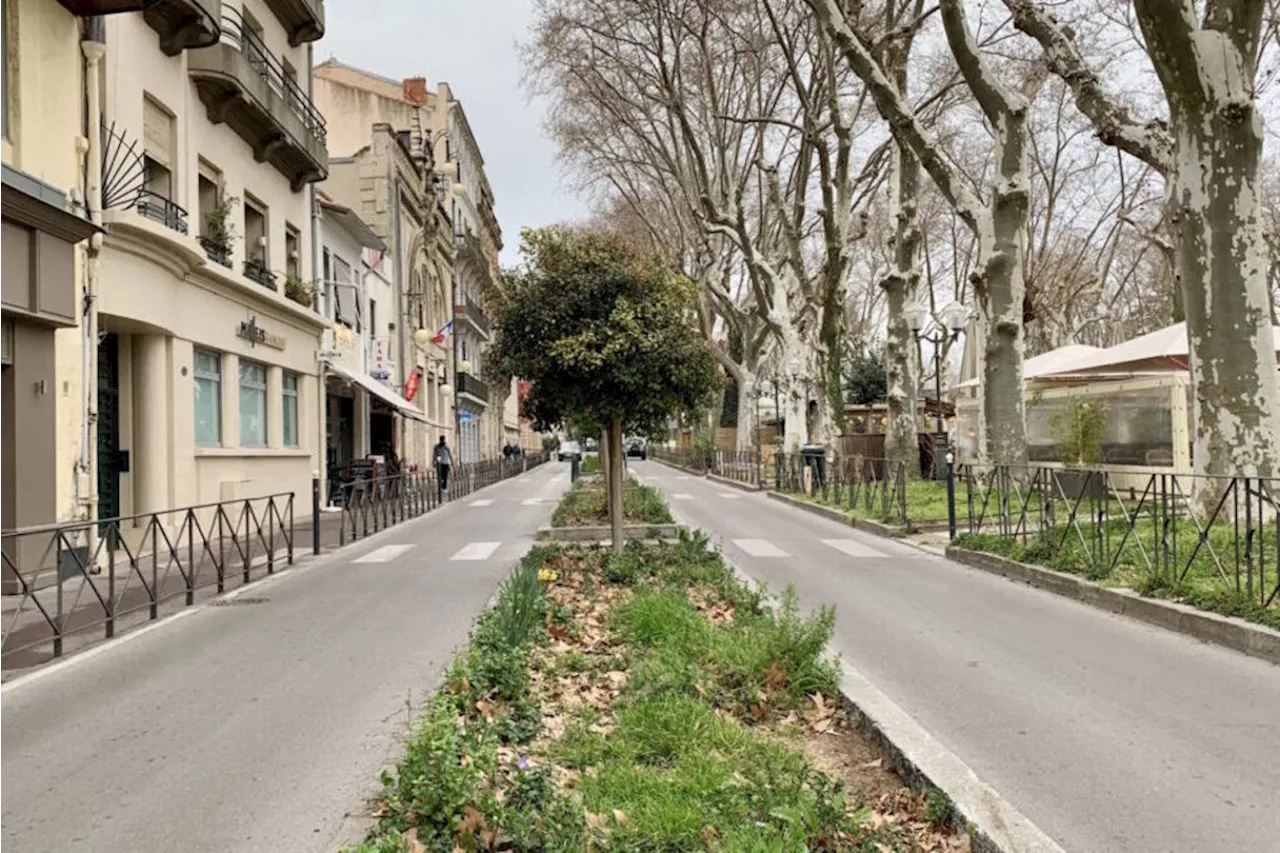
column 574, row 462
column 951, row 495
column 315, row 512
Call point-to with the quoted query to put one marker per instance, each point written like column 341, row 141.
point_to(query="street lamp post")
column 952, row 321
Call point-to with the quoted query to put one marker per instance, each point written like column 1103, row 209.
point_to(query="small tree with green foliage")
column 604, row 335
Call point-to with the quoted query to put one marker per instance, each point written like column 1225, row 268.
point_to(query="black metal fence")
column 374, row 504
column 685, row 457
column 87, row 576
column 1178, row 532
column 742, row 466
column 877, row 487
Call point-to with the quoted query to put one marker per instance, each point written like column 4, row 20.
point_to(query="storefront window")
column 290, row 410
column 253, row 405
column 208, row 385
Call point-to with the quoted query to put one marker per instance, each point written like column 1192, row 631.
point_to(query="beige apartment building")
column 432, row 126
column 45, row 230
column 208, row 342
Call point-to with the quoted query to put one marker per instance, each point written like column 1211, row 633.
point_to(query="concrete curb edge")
column 993, row 824
column 876, row 528
column 1254, row 640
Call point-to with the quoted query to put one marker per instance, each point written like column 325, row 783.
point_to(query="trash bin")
column 814, row 457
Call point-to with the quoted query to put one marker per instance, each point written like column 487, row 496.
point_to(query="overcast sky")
column 471, row 45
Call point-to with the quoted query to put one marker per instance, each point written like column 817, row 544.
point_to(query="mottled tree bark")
column 615, row 484
column 902, row 285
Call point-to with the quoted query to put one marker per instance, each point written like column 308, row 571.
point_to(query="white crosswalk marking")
column 485, row 502
column 853, row 547
column 385, row 554
column 533, row 501
column 760, row 548
column 728, row 496
column 476, row 551
column 682, row 497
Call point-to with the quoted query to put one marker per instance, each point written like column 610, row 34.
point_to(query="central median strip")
column 582, row 515
column 648, row 700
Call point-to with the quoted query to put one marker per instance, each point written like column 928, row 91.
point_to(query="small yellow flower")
column 548, row 575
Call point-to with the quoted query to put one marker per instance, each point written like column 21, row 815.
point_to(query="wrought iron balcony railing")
column 257, row 271
column 160, row 209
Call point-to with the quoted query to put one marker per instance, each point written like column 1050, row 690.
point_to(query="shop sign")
column 381, row 369
column 250, row 331
column 411, row 387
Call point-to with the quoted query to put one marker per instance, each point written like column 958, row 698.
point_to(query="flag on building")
column 443, row 333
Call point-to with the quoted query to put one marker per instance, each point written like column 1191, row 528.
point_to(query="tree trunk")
column 615, row 484
column 602, row 453
column 901, row 364
column 747, row 409
column 1000, row 287
column 1222, row 257
column 794, row 375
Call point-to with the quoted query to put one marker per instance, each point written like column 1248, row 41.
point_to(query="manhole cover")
column 244, row 599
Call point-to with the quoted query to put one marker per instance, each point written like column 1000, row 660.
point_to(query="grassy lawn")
column 1214, row 579
column 926, row 502
column 585, row 505
column 645, row 702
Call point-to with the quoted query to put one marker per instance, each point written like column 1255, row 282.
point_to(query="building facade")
column 45, row 230
column 432, row 128
column 208, row 384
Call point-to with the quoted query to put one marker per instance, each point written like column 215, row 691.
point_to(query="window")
column 208, row 385
column 255, row 231
column 158, row 136
column 253, row 405
column 292, row 255
column 290, row 410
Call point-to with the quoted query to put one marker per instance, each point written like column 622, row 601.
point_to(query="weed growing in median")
column 642, row 702
column 585, row 505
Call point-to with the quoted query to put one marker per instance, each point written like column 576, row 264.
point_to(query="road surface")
column 258, row 726
column 1108, row 734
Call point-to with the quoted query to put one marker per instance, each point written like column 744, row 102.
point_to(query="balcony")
column 184, row 24
column 157, row 208
column 473, row 314
column 472, row 387
column 303, row 20
column 256, row 271
column 216, row 252
column 243, row 85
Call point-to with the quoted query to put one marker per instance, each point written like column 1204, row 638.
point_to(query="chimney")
column 414, row 90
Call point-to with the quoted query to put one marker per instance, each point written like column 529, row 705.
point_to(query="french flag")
column 443, row 333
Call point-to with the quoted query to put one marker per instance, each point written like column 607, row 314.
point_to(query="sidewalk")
column 29, row 636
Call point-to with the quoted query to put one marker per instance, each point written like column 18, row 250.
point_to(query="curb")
column 887, row 531
column 1254, row 640
column 993, row 824
column 680, row 467
column 597, row 533
column 725, row 481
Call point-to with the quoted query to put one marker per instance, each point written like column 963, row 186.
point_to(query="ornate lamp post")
column 946, row 328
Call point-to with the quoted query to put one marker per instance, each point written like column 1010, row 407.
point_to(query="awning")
column 382, row 392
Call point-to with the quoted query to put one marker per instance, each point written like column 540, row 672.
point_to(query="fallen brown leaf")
column 775, row 676
column 415, row 846
column 872, row 765
column 621, row 817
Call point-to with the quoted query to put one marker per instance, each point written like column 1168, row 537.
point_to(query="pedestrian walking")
column 442, row 456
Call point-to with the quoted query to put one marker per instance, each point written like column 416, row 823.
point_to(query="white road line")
column 485, row 502
column 853, row 547
column 760, row 548
column 384, row 555
column 683, row 477
column 476, row 551
column 682, row 497
column 728, row 496
column 532, row 501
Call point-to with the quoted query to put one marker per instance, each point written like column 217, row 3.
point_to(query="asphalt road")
column 1108, row 734
column 258, row 726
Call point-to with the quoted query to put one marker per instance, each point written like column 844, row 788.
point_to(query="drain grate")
column 232, row 602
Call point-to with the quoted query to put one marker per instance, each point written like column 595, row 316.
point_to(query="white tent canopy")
column 1159, row 352
column 381, row 391
column 1052, row 362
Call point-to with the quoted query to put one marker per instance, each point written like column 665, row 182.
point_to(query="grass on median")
column 640, row 702
column 586, row 505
